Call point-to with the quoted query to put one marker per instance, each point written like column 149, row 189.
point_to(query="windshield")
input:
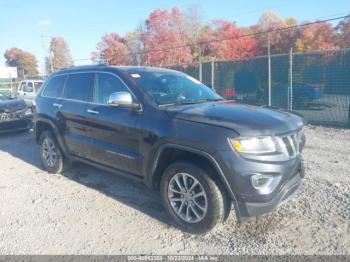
column 172, row 88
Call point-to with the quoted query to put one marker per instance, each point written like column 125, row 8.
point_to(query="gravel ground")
column 88, row 211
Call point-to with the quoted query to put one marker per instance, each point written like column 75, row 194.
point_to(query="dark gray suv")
column 166, row 128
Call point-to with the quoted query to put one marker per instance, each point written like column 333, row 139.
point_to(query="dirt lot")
column 88, row 211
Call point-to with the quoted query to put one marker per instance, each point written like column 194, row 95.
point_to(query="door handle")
column 57, row 105
column 92, row 112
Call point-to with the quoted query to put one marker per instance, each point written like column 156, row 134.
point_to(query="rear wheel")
column 51, row 154
column 192, row 198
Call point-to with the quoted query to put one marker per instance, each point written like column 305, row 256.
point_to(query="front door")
column 113, row 130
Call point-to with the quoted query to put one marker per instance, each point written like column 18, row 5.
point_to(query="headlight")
column 28, row 112
column 254, row 145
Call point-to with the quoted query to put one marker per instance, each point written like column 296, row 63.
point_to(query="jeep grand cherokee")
column 166, row 128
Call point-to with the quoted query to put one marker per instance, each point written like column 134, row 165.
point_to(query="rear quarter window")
column 54, row 86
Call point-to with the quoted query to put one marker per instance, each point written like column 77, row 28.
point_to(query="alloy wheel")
column 187, row 198
column 49, row 152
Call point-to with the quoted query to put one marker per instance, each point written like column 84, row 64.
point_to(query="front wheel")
column 192, row 198
column 51, row 154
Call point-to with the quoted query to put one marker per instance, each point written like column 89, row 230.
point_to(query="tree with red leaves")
column 60, row 52
column 344, row 33
column 23, row 60
column 114, row 49
column 280, row 41
column 317, row 36
column 164, row 32
column 235, row 47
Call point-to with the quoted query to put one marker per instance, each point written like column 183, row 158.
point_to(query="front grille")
column 291, row 144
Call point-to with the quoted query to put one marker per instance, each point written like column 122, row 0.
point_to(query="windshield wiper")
column 180, row 103
column 213, row 99
column 193, row 102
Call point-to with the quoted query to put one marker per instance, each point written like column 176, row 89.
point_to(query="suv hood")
column 246, row 120
column 9, row 106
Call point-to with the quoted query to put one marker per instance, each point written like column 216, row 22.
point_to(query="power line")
column 247, row 35
column 237, row 37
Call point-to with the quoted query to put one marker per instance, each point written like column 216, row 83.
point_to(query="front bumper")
column 284, row 195
column 16, row 125
column 249, row 201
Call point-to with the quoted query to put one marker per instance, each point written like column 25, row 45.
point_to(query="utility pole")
column 47, row 50
column 50, row 57
column 290, row 93
column 269, row 66
column 200, row 63
column 213, row 74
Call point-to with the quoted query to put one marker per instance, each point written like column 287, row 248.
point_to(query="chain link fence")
column 8, row 87
column 314, row 84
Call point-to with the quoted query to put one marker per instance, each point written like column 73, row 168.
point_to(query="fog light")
column 261, row 181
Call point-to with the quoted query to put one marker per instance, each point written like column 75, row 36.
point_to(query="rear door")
column 72, row 108
column 52, row 92
column 113, row 130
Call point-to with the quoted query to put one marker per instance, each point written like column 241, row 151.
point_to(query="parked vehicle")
column 304, row 95
column 14, row 115
column 27, row 90
column 172, row 132
column 228, row 93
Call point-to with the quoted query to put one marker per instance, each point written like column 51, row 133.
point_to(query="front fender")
column 150, row 175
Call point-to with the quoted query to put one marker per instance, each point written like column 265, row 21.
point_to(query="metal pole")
column 291, row 78
column 47, row 49
column 50, row 57
column 200, row 63
column 213, row 74
column 349, row 116
column 269, row 66
column 11, row 87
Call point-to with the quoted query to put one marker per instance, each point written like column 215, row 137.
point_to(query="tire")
column 217, row 204
column 60, row 163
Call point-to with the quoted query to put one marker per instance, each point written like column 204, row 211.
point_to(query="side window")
column 78, row 86
column 54, row 87
column 22, row 86
column 107, row 84
column 28, row 88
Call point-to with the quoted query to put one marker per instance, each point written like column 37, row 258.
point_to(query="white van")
column 27, row 90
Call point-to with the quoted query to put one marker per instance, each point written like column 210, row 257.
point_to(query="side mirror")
column 122, row 99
